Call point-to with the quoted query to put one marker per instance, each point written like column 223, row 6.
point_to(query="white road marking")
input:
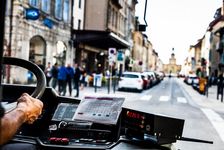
column 146, row 97
column 164, row 98
column 216, row 121
column 181, row 100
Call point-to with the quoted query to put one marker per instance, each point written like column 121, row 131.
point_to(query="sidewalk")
column 202, row 100
column 89, row 91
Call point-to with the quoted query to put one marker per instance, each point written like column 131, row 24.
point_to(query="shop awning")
column 99, row 39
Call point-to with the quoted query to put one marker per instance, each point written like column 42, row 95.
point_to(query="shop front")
column 91, row 48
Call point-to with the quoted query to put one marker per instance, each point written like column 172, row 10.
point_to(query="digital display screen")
column 135, row 115
column 138, row 121
column 65, row 111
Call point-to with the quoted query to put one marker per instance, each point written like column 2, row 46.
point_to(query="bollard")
column 108, row 85
column 206, row 90
column 95, row 85
column 114, row 84
column 221, row 94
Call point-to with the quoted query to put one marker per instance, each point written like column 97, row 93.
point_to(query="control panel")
column 68, row 131
column 150, row 127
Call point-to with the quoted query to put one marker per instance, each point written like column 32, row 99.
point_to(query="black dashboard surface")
column 55, row 128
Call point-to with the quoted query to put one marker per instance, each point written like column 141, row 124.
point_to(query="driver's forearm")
column 10, row 123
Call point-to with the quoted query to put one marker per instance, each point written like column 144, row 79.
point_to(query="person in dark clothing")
column 220, row 86
column 39, row 64
column 76, row 79
column 70, row 75
column 82, row 79
column 48, row 73
column 54, row 73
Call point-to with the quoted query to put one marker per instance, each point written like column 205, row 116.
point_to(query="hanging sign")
column 32, row 14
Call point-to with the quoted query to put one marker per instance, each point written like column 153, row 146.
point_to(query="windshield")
column 87, row 47
column 130, row 76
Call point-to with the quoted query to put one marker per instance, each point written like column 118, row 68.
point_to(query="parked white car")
column 131, row 80
column 192, row 79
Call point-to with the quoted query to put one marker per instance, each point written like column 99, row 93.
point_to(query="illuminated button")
column 147, row 127
column 52, row 140
column 58, row 140
column 55, row 140
column 65, row 141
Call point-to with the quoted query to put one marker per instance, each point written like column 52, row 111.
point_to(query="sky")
column 176, row 24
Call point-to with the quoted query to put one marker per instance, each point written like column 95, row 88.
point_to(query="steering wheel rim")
column 36, row 70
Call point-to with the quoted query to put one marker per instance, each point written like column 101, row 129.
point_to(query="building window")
column 110, row 14
column 34, row 3
column 79, row 24
column 113, row 18
column 116, row 20
column 45, row 6
column 66, row 11
column 80, row 3
column 58, row 9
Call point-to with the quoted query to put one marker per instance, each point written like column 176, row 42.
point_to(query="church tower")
column 172, row 67
column 172, row 59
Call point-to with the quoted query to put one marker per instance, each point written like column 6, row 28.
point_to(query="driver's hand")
column 32, row 107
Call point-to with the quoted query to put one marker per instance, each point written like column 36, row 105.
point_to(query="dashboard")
column 57, row 127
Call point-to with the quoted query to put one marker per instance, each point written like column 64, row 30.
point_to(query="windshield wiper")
column 195, row 140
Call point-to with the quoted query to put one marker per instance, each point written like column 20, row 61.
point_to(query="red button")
column 65, row 140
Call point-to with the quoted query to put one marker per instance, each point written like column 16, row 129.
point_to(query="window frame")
column 34, row 3
column 66, row 13
column 58, row 9
column 80, row 4
column 46, row 4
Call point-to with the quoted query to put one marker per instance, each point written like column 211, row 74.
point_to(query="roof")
column 99, row 39
column 214, row 22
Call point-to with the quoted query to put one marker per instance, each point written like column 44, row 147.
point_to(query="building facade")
column 138, row 51
column 216, row 55
column 83, row 31
column 43, row 37
column 105, row 27
column 172, row 67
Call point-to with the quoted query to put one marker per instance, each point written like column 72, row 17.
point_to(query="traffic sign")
column 112, row 52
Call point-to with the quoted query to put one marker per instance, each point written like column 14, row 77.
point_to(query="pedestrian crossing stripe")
column 164, row 98
column 181, row 100
column 146, row 97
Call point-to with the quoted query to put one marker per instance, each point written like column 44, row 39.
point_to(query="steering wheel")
column 41, row 79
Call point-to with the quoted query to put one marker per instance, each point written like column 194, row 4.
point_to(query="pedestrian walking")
column 39, row 64
column 62, row 75
column 220, row 87
column 77, row 78
column 82, row 79
column 48, row 73
column 70, row 75
column 54, row 73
